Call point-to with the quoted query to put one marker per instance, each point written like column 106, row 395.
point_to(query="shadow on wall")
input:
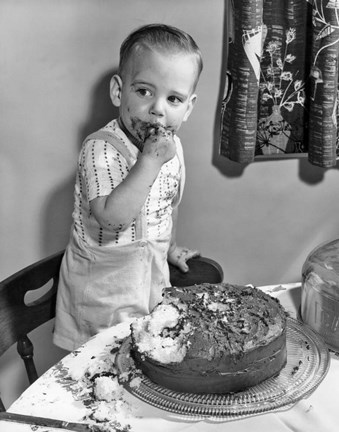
column 59, row 207
column 308, row 173
column 54, row 237
column 101, row 110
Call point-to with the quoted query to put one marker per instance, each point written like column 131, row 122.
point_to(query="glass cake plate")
column 308, row 361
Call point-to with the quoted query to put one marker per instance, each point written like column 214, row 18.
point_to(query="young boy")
column 129, row 183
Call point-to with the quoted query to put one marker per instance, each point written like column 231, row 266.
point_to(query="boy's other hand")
column 178, row 256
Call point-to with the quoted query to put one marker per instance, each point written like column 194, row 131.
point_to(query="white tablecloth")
column 61, row 393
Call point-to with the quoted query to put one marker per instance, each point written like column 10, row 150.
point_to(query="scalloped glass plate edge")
column 308, row 360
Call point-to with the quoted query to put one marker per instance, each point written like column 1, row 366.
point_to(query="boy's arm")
column 123, row 204
column 179, row 255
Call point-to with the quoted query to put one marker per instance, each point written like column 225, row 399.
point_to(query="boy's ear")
column 115, row 90
column 190, row 106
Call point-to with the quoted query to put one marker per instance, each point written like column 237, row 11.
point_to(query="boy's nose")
column 157, row 108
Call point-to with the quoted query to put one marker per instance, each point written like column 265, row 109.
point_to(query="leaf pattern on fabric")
column 281, row 92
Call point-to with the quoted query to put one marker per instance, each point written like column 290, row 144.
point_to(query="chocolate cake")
column 211, row 338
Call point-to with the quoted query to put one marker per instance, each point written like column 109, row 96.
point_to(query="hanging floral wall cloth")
column 282, row 81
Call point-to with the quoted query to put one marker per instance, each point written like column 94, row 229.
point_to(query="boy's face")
column 156, row 88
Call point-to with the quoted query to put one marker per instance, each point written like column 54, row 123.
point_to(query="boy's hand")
column 178, row 256
column 159, row 144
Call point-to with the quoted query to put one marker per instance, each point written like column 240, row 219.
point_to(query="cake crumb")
column 310, row 408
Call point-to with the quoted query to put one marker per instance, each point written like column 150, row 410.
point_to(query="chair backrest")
column 18, row 318
column 201, row 269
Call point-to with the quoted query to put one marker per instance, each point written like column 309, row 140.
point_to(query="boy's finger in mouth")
column 157, row 130
column 145, row 130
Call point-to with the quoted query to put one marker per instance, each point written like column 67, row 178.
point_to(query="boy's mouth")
column 144, row 130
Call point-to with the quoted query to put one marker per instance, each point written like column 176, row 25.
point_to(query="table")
column 63, row 393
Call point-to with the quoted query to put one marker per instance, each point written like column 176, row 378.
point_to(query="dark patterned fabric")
column 282, row 81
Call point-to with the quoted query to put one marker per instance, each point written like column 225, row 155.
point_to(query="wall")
column 259, row 221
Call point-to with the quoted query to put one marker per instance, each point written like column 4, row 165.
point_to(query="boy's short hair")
column 160, row 36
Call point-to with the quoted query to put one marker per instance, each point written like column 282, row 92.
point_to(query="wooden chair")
column 201, row 269
column 18, row 318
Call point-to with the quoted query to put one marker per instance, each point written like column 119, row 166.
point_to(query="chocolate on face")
column 144, row 129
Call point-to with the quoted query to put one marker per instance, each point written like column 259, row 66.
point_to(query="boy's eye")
column 144, row 92
column 175, row 99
